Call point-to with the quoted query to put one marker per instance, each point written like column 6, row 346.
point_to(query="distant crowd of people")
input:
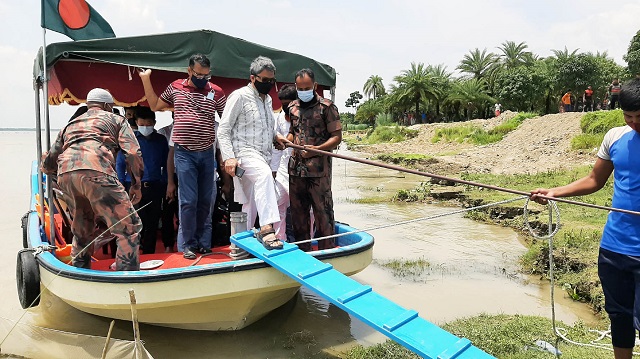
column 608, row 101
column 122, row 174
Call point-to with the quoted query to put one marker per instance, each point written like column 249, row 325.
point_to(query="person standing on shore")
column 84, row 158
column 619, row 256
column 587, row 100
column 195, row 102
column 614, row 94
column 566, row 101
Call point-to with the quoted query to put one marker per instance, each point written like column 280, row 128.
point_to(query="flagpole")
column 47, row 126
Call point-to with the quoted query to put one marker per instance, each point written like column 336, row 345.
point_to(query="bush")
column 600, row 122
column 356, row 127
column 390, row 134
column 480, row 136
column 384, row 119
column 587, row 141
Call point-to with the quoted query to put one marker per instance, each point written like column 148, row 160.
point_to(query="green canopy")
column 230, row 56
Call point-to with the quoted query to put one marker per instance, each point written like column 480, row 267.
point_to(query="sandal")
column 269, row 240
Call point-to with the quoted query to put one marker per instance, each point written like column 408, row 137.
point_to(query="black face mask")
column 263, row 87
column 199, row 83
column 132, row 122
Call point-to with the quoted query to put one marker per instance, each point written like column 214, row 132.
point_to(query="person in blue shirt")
column 619, row 256
column 155, row 149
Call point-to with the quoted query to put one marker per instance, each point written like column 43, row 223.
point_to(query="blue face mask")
column 199, row 83
column 145, row 130
column 305, row 96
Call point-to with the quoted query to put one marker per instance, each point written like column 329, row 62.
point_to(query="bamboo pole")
column 456, row 180
column 106, row 344
column 134, row 319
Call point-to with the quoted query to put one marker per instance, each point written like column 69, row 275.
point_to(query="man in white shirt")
column 246, row 137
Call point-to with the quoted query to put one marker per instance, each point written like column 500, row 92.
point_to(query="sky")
column 358, row 38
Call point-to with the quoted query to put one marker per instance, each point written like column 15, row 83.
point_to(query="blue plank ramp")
column 404, row 326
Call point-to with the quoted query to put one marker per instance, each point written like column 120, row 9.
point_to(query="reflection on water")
column 472, row 270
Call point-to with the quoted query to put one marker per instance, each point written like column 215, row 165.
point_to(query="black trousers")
column 152, row 195
column 169, row 213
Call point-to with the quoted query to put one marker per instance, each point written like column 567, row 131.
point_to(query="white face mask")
column 145, row 130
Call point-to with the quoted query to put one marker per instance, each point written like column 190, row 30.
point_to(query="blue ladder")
column 403, row 326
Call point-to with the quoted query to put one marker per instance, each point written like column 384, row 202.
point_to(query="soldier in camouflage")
column 315, row 124
column 83, row 157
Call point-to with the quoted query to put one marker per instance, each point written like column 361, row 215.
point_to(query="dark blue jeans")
column 195, row 171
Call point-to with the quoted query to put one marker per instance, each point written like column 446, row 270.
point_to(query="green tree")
column 353, row 100
column 522, row 88
column 514, row 55
column 478, row 64
column 441, row 83
column 633, row 55
column 415, row 85
column 368, row 111
column 471, row 95
column 374, row 87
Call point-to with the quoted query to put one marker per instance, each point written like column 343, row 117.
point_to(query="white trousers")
column 256, row 191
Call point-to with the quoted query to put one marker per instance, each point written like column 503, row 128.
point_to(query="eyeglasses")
column 200, row 76
column 266, row 79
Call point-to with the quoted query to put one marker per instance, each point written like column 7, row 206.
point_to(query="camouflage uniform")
column 310, row 178
column 83, row 156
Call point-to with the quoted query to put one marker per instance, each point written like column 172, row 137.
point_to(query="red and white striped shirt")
column 194, row 113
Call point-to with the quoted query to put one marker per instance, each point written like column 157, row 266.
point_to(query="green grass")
column 594, row 126
column 356, row 127
column 587, row 141
column 389, row 134
column 503, row 336
column 479, row 136
column 600, row 122
column 405, row 160
column 407, row 267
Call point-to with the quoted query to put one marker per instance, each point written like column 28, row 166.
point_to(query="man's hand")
column 171, row 192
column 280, row 142
column 541, row 191
column 135, row 194
column 308, row 154
column 230, row 166
column 145, row 75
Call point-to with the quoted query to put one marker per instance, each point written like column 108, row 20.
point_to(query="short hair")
column 260, row 64
column 305, row 72
column 202, row 59
column 630, row 95
column 287, row 92
column 145, row 113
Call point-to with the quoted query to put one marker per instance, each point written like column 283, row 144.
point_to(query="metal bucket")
column 238, row 222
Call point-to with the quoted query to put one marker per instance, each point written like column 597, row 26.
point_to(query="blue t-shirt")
column 155, row 151
column 621, row 145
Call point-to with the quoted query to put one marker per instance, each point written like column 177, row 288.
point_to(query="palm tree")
column 513, row 54
column 374, row 86
column 470, row 94
column 442, row 83
column 564, row 55
column 477, row 63
column 415, row 85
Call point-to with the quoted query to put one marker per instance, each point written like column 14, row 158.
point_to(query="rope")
column 412, row 220
column 456, row 180
column 561, row 333
column 41, row 249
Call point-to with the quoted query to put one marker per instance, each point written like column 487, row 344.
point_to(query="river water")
column 473, row 270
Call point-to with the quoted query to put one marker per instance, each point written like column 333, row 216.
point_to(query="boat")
column 214, row 292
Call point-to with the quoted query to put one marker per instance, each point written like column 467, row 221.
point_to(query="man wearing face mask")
column 130, row 115
column 154, row 150
column 315, row 124
column 246, row 136
column 195, row 101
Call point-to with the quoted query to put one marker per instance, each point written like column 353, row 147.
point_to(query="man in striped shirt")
column 247, row 136
column 195, row 102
